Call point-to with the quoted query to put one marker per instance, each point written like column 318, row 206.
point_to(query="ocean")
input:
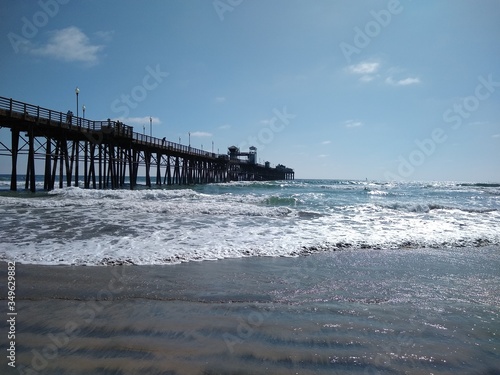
column 282, row 277
column 243, row 219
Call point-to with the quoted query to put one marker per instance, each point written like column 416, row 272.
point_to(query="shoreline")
column 189, row 279
column 324, row 248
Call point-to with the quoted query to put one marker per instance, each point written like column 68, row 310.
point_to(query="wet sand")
column 322, row 314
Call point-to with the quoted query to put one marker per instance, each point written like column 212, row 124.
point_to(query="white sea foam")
column 159, row 226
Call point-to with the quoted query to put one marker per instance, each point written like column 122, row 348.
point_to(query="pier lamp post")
column 143, row 129
column 150, row 126
column 189, row 136
column 212, row 147
column 77, row 91
column 179, row 140
column 85, row 166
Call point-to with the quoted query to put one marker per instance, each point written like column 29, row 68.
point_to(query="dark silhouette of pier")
column 110, row 153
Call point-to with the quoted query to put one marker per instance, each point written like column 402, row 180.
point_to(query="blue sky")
column 334, row 89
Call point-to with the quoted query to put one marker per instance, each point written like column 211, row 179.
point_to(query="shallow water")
column 363, row 311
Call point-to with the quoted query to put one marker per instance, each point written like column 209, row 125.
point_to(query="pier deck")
column 110, row 153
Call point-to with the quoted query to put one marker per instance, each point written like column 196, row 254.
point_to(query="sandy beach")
column 342, row 312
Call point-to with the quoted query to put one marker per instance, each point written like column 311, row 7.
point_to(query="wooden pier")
column 110, row 153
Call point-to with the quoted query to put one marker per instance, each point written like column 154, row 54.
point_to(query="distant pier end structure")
column 76, row 151
column 243, row 166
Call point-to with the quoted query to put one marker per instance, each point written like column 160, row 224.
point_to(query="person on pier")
column 69, row 117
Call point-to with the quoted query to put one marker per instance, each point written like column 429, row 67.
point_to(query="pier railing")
column 172, row 146
column 37, row 114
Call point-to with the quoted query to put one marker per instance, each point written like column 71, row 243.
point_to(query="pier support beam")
column 47, row 176
column 86, row 177
column 30, row 173
column 177, row 172
column 130, row 168
column 100, row 165
column 15, row 148
column 76, row 144
column 91, row 169
column 158, row 169
column 147, row 159
column 167, row 180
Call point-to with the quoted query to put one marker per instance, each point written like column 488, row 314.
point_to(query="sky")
column 383, row 90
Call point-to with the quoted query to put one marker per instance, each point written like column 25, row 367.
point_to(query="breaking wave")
column 292, row 218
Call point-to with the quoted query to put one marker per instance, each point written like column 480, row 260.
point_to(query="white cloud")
column 326, row 142
column 106, row 36
column 409, row 81
column 367, row 78
column 402, row 82
column 200, row 134
column 322, row 156
column 70, row 45
column 220, row 99
column 496, row 136
column 353, row 124
column 370, row 70
column 364, row 67
column 138, row 121
column 224, row 127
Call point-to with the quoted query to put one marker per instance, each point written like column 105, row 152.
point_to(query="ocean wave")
column 288, row 218
column 378, row 192
column 260, row 185
column 281, row 201
column 176, row 203
column 428, row 207
column 109, row 255
column 139, row 194
column 309, row 214
column 404, row 244
column 480, row 184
